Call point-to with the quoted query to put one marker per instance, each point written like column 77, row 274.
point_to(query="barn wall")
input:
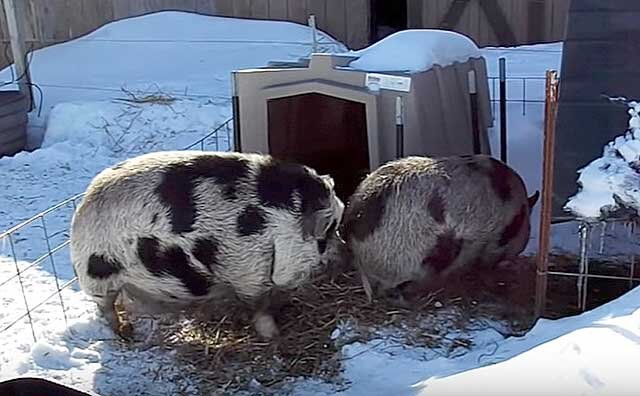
column 55, row 21
column 532, row 21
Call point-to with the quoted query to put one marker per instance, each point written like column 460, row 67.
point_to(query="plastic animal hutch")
column 13, row 122
column 343, row 122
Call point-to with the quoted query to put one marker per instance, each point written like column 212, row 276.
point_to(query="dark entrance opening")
column 326, row 133
column 387, row 17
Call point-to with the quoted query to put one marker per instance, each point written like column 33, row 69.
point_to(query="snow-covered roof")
column 415, row 50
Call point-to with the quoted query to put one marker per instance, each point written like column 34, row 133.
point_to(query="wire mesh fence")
column 49, row 247
column 523, row 90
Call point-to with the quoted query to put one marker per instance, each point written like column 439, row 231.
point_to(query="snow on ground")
column 182, row 59
column 82, row 352
column 415, row 50
column 590, row 354
column 614, row 175
column 182, row 53
column 87, row 131
column 585, row 355
column 187, row 57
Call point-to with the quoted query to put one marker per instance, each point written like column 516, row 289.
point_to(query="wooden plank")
column 87, row 17
column 242, row 8
column 473, row 21
column 123, row 8
column 129, row 8
column 319, row 9
column 278, row 9
column 336, row 19
column 516, row 16
column 15, row 12
column 220, row 7
column 452, row 17
column 297, row 11
column 4, row 34
column 558, row 22
column 260, row 9
column 536, row 21
column 207, row 7
column 414, row 14
column 498, row 21
column 44, row 19
column 359, row 23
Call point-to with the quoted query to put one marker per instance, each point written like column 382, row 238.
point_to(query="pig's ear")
column 328, row 180
column 316, row 223
column 533, row 199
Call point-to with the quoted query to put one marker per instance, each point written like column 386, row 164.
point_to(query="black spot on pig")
column 513, row 228
column 277, row 181
column 101, row 267
column 436, row 207
column 500, row 175
column 444, row 253
column 206, row 251
column 175, row 192
column 364, row 213
column 178, row 182
column 252, row 221
column 171, row 261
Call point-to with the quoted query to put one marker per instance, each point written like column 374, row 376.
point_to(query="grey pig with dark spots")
column 178, row 229
column 415, row 221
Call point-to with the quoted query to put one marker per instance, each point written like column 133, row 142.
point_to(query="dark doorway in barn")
column 387, row 17
column 324, row 132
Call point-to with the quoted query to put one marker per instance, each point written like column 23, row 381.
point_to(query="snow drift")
column 415, row 50
column 611, row 182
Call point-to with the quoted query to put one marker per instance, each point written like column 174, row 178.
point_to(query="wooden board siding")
column 548, row 20
column 55, row 21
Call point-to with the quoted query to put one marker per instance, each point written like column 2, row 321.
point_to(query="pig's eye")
column 322, row 245
column 332, row 227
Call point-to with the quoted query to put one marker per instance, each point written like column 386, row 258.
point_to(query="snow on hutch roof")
column 415, row 50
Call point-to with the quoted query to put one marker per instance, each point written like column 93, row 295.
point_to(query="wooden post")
column 314, row 36
column 399, row 128
column 473, row 99
column 503, row 109
column 16, row 18
column 542, row 262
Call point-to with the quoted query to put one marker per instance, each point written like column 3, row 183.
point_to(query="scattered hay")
column 319, row 320
column 139, row 98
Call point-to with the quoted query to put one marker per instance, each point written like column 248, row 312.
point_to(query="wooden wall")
column 530, row 20
column 55, row 21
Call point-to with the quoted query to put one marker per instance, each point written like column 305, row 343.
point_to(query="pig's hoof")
column 265, row 326
column 125, row 330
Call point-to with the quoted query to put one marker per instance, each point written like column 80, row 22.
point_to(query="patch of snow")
column 180, row 53
column 54, row 357
column 585, row 355
column 613, row 179
column 415, row 50
column 83, row 352
column 185, row 56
